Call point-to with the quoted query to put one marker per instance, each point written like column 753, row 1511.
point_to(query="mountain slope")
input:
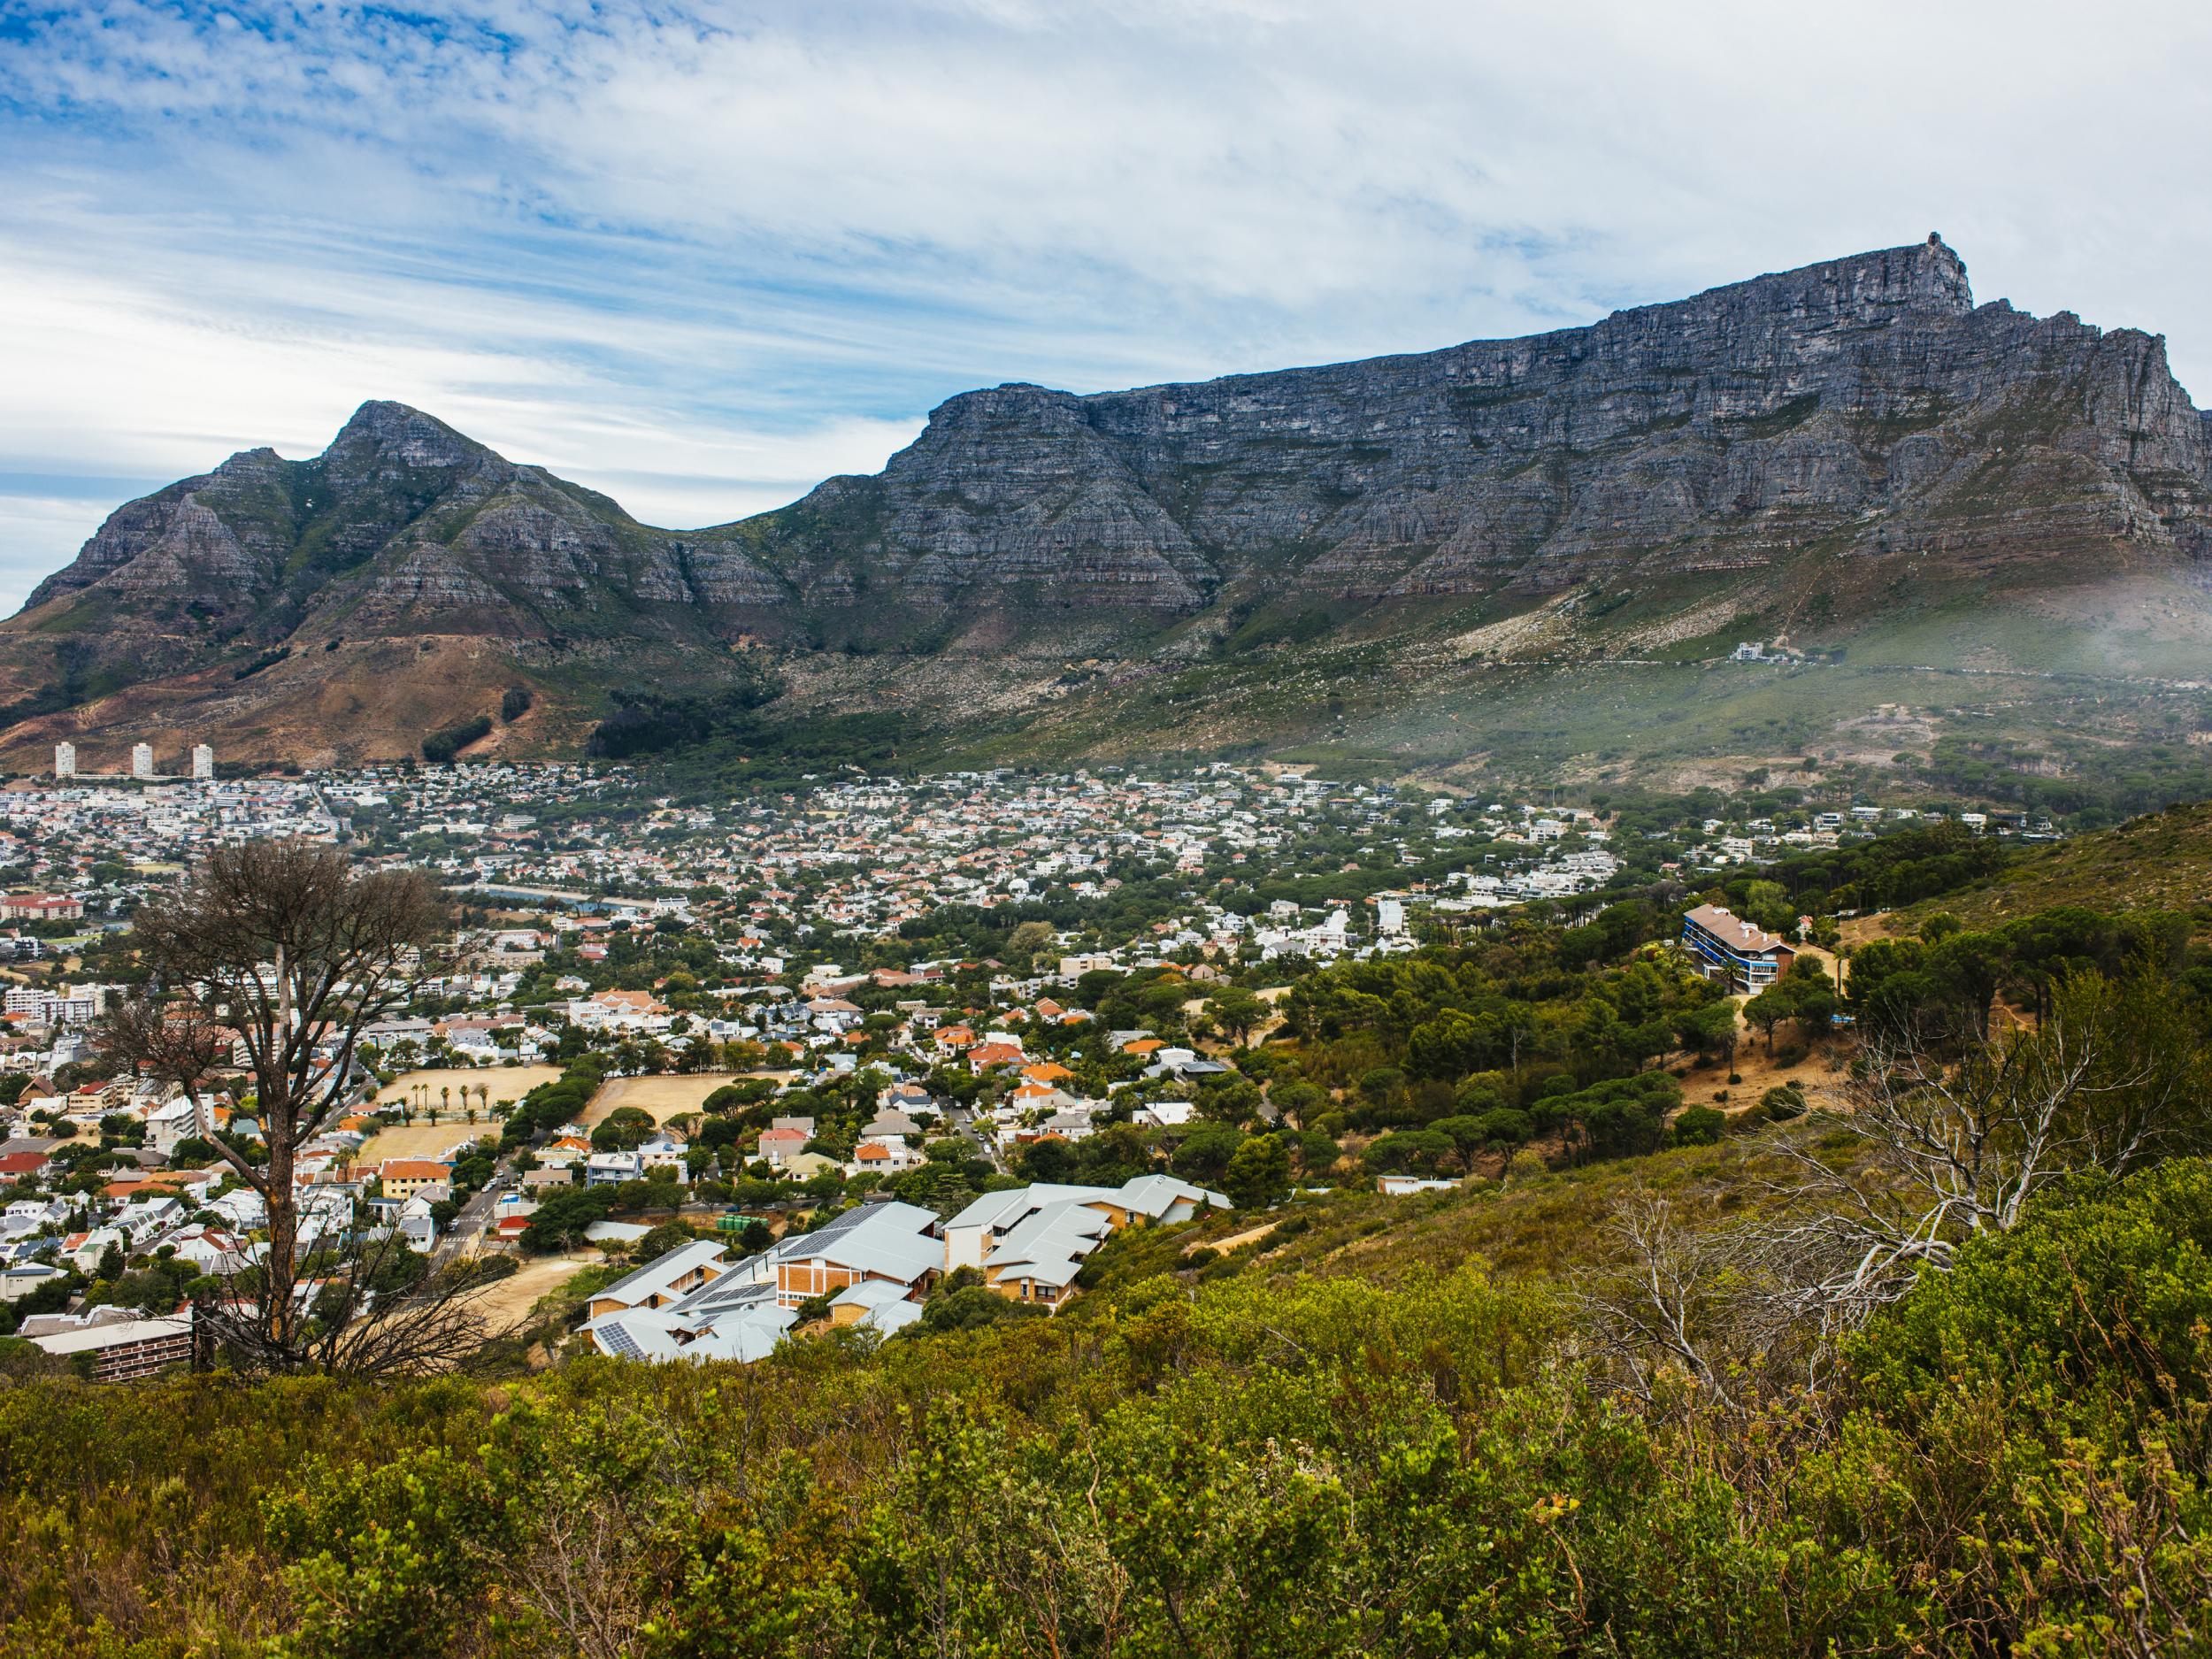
column 1842, row 454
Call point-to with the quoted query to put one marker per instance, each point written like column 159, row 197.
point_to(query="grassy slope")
column 1534, row 1226
column 2160, row 861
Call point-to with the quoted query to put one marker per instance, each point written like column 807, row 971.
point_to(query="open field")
column 665, row 1097
column 425, row 1140
column 506, row 1082
column 509, row 1301
column 422, row 1140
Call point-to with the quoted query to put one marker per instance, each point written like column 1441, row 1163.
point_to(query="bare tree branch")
column 284, row 949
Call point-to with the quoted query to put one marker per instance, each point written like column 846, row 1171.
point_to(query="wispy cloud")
column 699, row 255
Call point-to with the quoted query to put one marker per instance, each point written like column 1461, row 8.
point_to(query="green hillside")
column 2162, row 861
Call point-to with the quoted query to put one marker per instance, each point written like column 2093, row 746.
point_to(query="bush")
column 1698, row 1126
column 2050, row 1388
column 443, row 745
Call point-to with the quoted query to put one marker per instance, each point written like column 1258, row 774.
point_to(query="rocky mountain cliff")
column 1776, row 434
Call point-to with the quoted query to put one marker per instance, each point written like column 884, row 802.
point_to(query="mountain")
column 1853, row 458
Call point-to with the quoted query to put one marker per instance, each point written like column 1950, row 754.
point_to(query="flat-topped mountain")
column 1783, row 456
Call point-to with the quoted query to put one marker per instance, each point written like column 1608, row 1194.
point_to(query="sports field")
column 664, row 1097
column 424, row 1139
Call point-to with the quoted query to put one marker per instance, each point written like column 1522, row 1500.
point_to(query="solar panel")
column 621, row 1341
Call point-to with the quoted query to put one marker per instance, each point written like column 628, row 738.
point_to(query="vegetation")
column 443, row 744
column 1916, row 1359
column 2011, row 1459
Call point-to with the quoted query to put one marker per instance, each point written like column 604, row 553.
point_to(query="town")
column 830, row 1051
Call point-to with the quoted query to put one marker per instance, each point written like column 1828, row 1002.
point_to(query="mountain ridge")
column 1767, row 441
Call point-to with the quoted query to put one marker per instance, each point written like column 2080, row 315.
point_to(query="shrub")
column 1698, row 1126
column 1783, row 1102
column 443, row 745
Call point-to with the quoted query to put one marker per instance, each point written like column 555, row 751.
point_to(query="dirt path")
column 1250, row 1235
column 509, row 1301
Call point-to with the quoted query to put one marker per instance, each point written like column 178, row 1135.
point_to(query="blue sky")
column 700, row 256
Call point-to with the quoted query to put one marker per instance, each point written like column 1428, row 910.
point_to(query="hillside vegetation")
column 2162, row 861
column 2013, row 1459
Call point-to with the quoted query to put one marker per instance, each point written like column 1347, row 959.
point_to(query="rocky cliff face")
column 1857, row 405
column 1862, row 409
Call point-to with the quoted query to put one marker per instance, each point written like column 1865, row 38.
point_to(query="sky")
column 701, row 255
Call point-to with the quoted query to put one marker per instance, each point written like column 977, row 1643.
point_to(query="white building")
column 142, row 760
column 203, row 763
column 64, row 760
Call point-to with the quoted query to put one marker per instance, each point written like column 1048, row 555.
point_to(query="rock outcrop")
column 1858, row 405
column 1859, row 409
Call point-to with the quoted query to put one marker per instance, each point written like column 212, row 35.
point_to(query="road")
column 475, row 1216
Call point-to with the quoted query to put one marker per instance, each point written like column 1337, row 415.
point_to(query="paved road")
column 475, row 1216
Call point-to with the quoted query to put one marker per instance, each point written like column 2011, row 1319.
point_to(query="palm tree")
column 446, row 1094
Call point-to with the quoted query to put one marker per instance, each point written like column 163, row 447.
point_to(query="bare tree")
column 1682, row 1300
column 378, row 1309
column 283, row 948
column 1944, row 1147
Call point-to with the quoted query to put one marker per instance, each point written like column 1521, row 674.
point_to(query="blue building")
column 1728, row 947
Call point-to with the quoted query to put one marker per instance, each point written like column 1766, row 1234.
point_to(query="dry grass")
column 421, row 1139
column 425, row 1140
column 664, row 1097
column 506, row 1082
column 509, row 1302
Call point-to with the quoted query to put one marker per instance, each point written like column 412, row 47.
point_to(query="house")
column 743, row 1331
column 779, row 1147
column 1406, row 1185
column 875, row 1304
column 564, row 1152
column 619, row 1011
column 40, row 907
column 179, row 1120
column 1029, row 1242
column 417, row 1224
column 984, row 1056
column 1727, row 947
column 885, row 1243
column 215, row 1252
column 15, row 1166
column 121, row 1350
column 404, row 1178
column 611, row 1169
column 665, row 1280
column 20, row 1279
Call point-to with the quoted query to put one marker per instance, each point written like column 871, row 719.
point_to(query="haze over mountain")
column 1853, row 458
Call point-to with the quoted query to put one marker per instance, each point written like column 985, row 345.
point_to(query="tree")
column 1204, row 1153
column 561, row 1217
column 1032, row 940
column 1258, row 1173
column 1237, row 1011
column 1766, row 1010
column 2111, row 1080
column 286, row 950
